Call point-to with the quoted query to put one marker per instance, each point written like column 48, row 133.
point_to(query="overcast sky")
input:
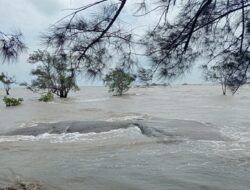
column 33, row 17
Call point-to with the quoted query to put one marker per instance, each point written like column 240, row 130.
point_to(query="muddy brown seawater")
column 161, row 138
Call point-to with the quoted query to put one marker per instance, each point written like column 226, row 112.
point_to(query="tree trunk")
column 63, row 94
column 224, row 88
column 7, row 92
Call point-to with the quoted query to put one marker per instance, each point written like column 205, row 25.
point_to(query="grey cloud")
column 48, row 7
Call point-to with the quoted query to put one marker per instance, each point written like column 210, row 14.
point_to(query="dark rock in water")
column 173, row 130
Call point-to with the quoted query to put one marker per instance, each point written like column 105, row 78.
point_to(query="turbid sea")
column 158, row 138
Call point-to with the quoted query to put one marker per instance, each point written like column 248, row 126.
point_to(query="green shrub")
column 47, row 97
column 118, row 81
column 12, row 101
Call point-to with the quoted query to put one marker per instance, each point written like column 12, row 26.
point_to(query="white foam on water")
column 22, row 125
column 225, row 149
column 52, row 102
column 92, row 100
column 128, row 118
column 237, row 133
column 36, row 123
column 131, row 132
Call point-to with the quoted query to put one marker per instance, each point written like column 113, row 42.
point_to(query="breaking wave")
column 88, row 131
column 75, row 137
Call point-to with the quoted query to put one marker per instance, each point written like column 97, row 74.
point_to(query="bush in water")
column 118, row 81
column 47, row 97
column 12, row 101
